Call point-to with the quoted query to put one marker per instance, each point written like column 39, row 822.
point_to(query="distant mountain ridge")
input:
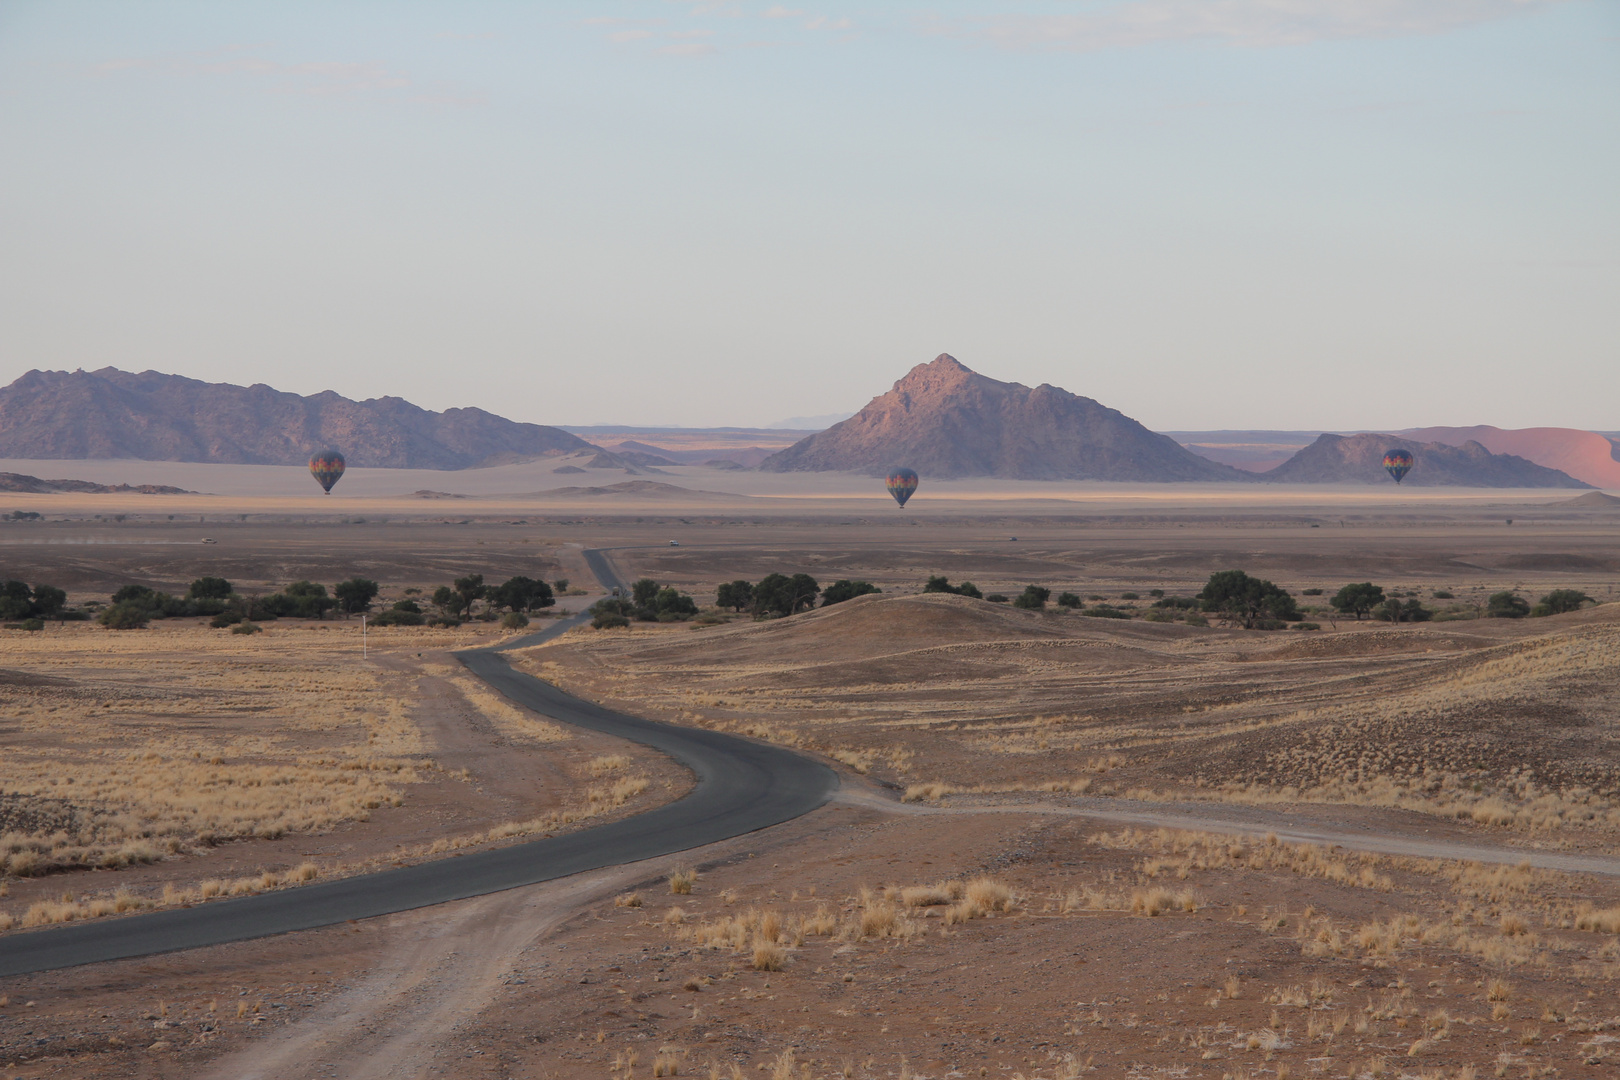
column 1586, row 455
column 945, row 420
column 156, row 417
column 1358, row 459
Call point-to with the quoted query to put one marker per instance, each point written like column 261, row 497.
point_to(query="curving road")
column 741, row 786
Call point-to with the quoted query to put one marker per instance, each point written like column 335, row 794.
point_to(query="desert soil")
column 1035, row 941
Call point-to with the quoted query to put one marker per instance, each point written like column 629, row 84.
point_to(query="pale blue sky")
column 1206, row 213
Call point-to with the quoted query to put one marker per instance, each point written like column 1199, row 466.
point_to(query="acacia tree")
column 845, row 589
column 469, row 590
column 522, row 594
column 355, row 595
column 735, row 595
column 778, row 594
column 1358, row 600
column 1240, row 598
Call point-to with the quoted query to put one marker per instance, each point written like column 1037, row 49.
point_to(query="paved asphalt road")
column 742, row 786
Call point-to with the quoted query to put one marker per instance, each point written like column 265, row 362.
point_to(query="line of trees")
column 780, row 595
column 648, row 602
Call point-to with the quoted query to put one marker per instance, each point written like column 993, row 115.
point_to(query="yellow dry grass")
column 1183, row 852
column 139, row 744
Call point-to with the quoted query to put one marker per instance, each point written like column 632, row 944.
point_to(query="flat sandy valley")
column 1063, row 845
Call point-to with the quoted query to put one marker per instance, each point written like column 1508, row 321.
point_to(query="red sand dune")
column 1585, row 455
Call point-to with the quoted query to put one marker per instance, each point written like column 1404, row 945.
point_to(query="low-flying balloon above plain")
column 1398, row 463
column 901, row 484
column 326, row 466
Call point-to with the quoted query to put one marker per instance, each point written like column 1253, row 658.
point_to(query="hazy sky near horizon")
column 1293, row 214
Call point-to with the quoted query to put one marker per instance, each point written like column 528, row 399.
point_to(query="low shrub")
column 125, row 615
column 247, row 628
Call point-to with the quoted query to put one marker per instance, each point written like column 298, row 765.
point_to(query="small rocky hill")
column 156, row 417
column 1358, row 459
column 945, row 420
column 33, row 485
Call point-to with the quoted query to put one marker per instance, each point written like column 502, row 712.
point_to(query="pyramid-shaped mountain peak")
column 946, row 420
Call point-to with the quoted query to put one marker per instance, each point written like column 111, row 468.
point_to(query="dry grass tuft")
column 1604, row 921
column 768, row 956
column 680, row 882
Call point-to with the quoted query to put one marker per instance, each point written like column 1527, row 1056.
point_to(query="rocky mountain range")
column 1338, row 459
column 945, row 420
column 1585, row 455
column 156, row 417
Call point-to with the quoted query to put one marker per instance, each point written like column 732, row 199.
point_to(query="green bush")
column 608, row 621
column 224, row 619
column 1130, row 596
column 940, row 583
column 209, row 588
column 1506, row 605
column 1068, row 600
column 996, row 598
column 126, row 615
column 247, row 628
column 1307, row 626
column 1195, row 619
column 1560, row 601
column 845, row 589
column 1158, row 616
column 31, row 624
column 1442, row 594
column 1310, row 592
column 514, row 620
column 1102, row 611
column 398, row 616
column 1398, row 611
column 1033, row 598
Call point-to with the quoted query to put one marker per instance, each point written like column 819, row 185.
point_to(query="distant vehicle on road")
column 674, row 543
column 1012, row 537
column 209, row 540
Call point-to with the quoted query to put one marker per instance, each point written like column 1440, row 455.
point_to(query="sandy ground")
column 1263, row 960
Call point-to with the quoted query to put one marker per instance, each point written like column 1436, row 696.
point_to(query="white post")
column 364, row 655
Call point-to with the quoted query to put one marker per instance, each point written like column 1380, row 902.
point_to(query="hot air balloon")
column 327, row 468
column 902, row 482
column 1398, row 463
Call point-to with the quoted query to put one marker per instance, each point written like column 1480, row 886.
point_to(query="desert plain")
column 1063, row 845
